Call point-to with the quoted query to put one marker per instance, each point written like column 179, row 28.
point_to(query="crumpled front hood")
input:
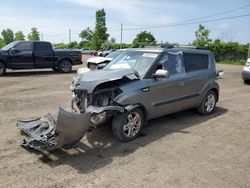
column 89, row 80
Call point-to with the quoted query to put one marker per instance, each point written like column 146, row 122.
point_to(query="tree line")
column 98, row 38
column 223, row 51
column 8, row 36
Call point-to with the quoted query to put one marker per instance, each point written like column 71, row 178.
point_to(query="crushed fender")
column 45, row 133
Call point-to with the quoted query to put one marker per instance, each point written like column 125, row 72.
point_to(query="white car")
column 246, row 71
column 96, row 63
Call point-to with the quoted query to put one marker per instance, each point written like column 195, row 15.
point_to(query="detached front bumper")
column 47, row 133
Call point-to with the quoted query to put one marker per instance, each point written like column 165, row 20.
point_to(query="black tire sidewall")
column 60, row 66
column 118, row 124
column 4, row 69
column 204, row 111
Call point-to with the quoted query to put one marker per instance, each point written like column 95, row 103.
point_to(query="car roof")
column 160, row 49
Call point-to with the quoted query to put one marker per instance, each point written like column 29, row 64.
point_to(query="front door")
column 22, row 56
column 167, row 94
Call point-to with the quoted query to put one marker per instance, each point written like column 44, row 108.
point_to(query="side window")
column 195, row 62
column 42, row 46
column 24, row 46
column 172, row 62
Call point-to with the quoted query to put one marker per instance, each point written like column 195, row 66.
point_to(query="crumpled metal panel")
column 44, row 133
column 40, row 132
column 71, row 126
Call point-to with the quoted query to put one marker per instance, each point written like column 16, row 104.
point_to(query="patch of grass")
column 237, row 62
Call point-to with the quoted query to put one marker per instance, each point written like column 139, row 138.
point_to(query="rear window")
column 42, row 46
column 195, row 62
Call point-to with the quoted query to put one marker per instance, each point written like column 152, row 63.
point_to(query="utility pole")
column 69, row 35
column 121, row 35
column 41, row 37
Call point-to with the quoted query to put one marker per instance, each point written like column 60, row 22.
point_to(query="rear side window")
column 24, row 46
column 195, row 62
column 42, row 46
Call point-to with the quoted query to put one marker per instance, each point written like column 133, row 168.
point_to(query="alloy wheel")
column 132, row 125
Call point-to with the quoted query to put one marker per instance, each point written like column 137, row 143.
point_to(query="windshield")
column 10, row 45
column 139, row 61
column 114, row 54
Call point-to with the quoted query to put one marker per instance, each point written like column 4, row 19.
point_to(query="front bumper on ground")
column 46, row 133
column 245, row 73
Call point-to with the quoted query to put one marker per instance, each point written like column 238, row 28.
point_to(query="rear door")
column 196, row 69
column 23, row 56
column 43, row 55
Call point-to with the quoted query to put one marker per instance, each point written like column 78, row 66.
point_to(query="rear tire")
column 127, row 126
column 208, row 103
column 65, row 66
column 2, row 69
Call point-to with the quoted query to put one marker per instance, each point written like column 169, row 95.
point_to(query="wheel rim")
column 210, row 103
column 66, row 66
column 132, row 125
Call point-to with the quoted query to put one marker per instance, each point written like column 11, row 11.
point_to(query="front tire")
column 65, row 66
column 208, row 103
column 127, row 126
column 2, row 69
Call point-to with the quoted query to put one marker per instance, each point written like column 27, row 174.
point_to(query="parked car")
column 106, row 53
column 37, row 54
column 87, row 51
column 94, row 53
column 100, row 62
column 246, row 71
column 143, row 84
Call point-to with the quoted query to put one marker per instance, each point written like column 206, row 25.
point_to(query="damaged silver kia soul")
column 139, row 85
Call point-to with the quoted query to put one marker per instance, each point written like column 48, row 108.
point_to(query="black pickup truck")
column 37, row 55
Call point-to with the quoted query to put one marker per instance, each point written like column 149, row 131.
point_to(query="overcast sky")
column 53, row 18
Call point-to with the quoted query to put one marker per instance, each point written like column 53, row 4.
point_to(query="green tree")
column 100, row 35
column 73, row 45
column 202, row 37
column 60, row 45
column 109, row 43
column 2, row 43
column 19, row 36
column 144, row 38
column 86, row 34
column 8, row 36
column 34, row 34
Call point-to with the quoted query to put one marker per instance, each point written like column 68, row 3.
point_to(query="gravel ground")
column 179, row 150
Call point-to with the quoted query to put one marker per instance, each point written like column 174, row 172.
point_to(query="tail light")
column 80, row 56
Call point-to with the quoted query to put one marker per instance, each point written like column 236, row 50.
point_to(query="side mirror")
column 160, row 73
column 219, row 74
column 13, row 51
